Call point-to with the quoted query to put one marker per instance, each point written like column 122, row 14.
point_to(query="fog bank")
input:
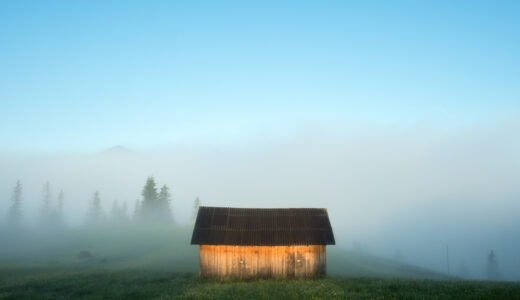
column 400, row 193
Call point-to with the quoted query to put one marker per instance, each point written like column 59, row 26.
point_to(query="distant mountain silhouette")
column 117, row 150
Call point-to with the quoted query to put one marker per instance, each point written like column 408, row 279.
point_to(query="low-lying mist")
column 441, row 200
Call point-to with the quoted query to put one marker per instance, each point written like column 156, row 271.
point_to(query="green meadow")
column 157, row 262
column 141, row 284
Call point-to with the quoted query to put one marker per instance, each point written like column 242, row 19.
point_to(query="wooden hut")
column 259, row 242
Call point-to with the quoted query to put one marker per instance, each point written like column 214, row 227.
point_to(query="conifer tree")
column 492, row 270
column 59, row 208
column 46, row 208
column 163, row 205
column 15, row 211
column 95, row 213
column 149, row 204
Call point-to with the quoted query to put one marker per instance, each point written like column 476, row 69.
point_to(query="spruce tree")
column 59, row 209
column 95, row 213
column 492, row 270
column 15, row 211
column 149, row 205
column 46, row 208
column 163, row 205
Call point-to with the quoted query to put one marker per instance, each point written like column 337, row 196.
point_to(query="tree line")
column 154, row 206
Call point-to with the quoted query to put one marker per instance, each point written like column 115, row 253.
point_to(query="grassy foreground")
column 157, row 262
column 114, row 284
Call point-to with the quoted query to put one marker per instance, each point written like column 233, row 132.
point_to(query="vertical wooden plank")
column 221, row 260
column 215, row 263
column 270, row 261
column 280, row 260
column 258, row 271
column 283, row 260
column 315, row 259
column 236, row 257
column 233, row 262
column 214, row 269
column 240, row 261
column 261, row 261
column 245, row 263
column 318, row 257
column 211, row 255
column 254, row 261
column 238, row 251
column 306, row 257
column 297, row 261
column 291, row 266
column 322, row 266
column 286, row 255
column 249, row 262
column 276, row 261
column 228, row 260
column 268, row 252
column 298, row 257
column 266, row 262
column 274, row 258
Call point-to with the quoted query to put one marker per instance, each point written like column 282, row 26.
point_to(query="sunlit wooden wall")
column 262, row 261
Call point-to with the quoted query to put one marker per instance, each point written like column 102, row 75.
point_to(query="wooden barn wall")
column 262, row 261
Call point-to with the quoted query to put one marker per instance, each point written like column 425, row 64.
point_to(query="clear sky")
column 86, row 75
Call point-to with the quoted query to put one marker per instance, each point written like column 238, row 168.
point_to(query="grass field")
column 105, row 284
column 157, row 262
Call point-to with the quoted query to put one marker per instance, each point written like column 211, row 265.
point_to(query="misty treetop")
column 51, row 214
column 492, row 268
column 119, row 213
column 59, row 207
column 46, row 209
column 155, row 206
column 14, row 216
column 95, row 215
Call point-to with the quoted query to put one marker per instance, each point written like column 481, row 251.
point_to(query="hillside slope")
column 163, row 248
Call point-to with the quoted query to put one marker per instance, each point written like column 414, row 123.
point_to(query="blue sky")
column 83, row 76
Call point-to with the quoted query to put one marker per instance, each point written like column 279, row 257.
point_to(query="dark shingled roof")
column 262, row 226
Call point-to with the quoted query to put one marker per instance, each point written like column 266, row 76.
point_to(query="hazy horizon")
column 386, row 191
